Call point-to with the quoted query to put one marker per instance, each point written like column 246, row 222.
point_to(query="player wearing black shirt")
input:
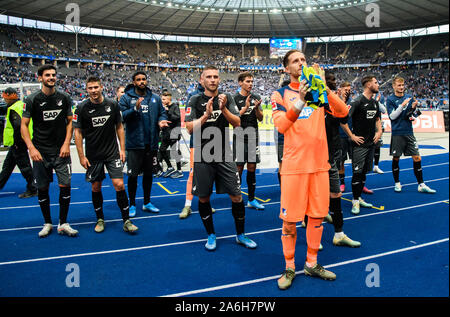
column 208, row 116
column 366, row 120
column 99, row 121
column 173, row 130
column 246, row 137
column 51, row 112
column 334, row 152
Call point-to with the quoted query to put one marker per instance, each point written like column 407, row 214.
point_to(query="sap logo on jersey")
column 306, row 113
column 214, row 116
column 371, row 114
column 99, row 121
column 50, row 115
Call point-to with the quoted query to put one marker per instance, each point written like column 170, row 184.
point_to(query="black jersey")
column 364, row 114
column 332, row 125
column 49, row 114
column 248, row 119
column 197, row 107
column 98, row 125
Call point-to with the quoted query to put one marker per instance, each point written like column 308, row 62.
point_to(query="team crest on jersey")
column 306, row 113
column 59, row 103
column 133, row 101
column 50, row 115
column 108, row 109
column 99, row 121
column 214, row 116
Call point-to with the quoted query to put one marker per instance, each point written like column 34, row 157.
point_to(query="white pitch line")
column 183, row 194
column 196, row 241
column 176, row 214
column 264, row 279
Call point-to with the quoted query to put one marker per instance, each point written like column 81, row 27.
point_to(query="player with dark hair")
column 51, row 112
column 120, row 91
column 143, row 114
column 344, row 93
column 377, row 152
column 208, row 116
column 334, row 153
column 18, row 152
column 366, row 120
column 98, row 120
column 173, row 130
column 402, row 109
column 246, row 137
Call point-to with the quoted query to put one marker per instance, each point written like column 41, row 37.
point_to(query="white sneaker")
column 355, row 207
column 398, row 187
column 376, row 169
column 66, row 229
column 425, row 189
column 46, row 230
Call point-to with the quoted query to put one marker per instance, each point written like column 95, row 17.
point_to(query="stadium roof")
column 239, row 18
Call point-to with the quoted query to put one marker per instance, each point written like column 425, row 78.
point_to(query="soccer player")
column 208, row 116
column 187, row 210
column 18, row 152
column 366, row 120
column 279, row 140
column 120, row 91
column 51, row 112
column 98, row 120
column 334, row 152
column 174, row 128
column 143, row 114
column 377, row 152
column 246, row 137
column 402, row 110
column 304, row 172
column 344, row 92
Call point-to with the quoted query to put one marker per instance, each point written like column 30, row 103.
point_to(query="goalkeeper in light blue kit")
column 402, row 110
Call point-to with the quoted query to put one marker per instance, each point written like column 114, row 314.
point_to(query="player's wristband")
column 299, row 105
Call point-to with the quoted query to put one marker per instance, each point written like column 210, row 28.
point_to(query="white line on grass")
column 183, row 194
column 196, row 241
column 194, row 212
column 221, row 287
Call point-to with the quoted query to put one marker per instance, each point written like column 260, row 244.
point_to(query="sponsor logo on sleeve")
column 274, row 105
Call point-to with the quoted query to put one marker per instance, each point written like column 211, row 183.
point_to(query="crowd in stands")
column 428, row 82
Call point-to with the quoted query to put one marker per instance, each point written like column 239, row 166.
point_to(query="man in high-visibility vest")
column 18, row 152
